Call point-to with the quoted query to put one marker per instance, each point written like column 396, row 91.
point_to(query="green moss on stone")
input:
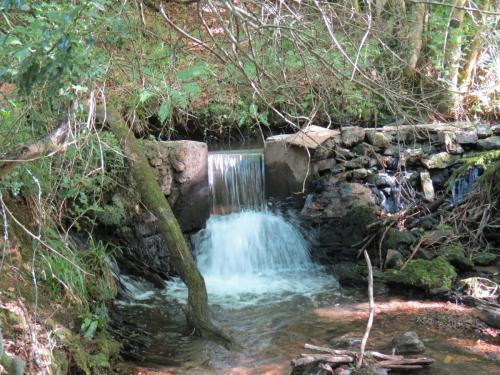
column 395, row 239
column 362, row 215
column 455, row 254
column 91, row 357
column 437, row 274
column 484, row 258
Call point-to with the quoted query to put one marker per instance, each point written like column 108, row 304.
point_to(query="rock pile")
column 352, row 174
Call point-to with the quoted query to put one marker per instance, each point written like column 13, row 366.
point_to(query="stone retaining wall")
column 355, row 153
column 348, row 177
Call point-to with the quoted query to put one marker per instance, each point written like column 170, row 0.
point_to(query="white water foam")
column 254, row 257
column 249, row 255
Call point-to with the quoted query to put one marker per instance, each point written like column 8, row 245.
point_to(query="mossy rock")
column 361, row 214
column 484, row 258
column 350, row 274
column 435, row 275
column 395, row 239
column 455, row 254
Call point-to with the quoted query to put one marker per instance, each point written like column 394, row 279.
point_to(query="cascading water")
column 463, row 185
column 264, row 291
column 247, row 249
column 236, row 181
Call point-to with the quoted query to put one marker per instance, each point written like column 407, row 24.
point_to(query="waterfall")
column 245, row 248
column 463, row 185
column 236, row 181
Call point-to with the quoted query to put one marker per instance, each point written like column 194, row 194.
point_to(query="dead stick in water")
column 372, row 310
column 310, row 358
column 329, row 350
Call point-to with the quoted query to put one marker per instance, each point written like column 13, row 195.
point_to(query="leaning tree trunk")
column 472, row 55
column 197, row 311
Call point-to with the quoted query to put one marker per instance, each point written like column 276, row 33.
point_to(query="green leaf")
column 192, row 72
column 179, row 99
column 145, row 95
column 192, row 89
column 22, row 54
column 165, row 111
column 262, row 117
column 89, row 334
column 13, row 41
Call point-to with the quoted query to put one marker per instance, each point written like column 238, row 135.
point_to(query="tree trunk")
column 465, row 77
column 415, row 38
column 452, row 55
column 197, row 310
column 472, row 55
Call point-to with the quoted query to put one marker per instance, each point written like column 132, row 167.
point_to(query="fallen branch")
column 339, row 357
column 53, row 143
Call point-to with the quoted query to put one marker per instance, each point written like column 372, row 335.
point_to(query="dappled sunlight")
column 478, row 347
column 360, row 311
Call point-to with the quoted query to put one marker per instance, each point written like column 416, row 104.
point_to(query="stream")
column 271, row 298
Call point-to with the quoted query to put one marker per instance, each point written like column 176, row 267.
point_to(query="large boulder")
column 488, row 144
column 286, row 167
column 349, row 273
column 483, row 131
column 490, row 315
column 378, row 139
column 393, row 259
column 342, row 211
column 288, row 159
column 395, row 239
column 408, row 343
column 339, row 200
column 181, row 168
column 455, row 254
column 144, row 252
column 440, row 160
column 466, row 137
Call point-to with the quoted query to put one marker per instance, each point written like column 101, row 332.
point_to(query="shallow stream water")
column 273, row 331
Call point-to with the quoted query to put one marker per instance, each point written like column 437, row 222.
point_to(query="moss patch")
column 434, row 275
column 455, row 254
column 484, row 258
column 361, row 214
column 395, row 239
column 92, row 357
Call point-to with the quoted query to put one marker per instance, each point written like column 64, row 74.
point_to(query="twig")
column 372, row 310
column 417, row 246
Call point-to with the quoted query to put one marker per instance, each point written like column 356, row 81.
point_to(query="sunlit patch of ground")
column 360, row 311
column 478, row 347
column 273, row 369
column 23, row 337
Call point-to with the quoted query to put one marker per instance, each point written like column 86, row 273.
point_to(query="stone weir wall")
column 181, row 168
column 347, row 177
